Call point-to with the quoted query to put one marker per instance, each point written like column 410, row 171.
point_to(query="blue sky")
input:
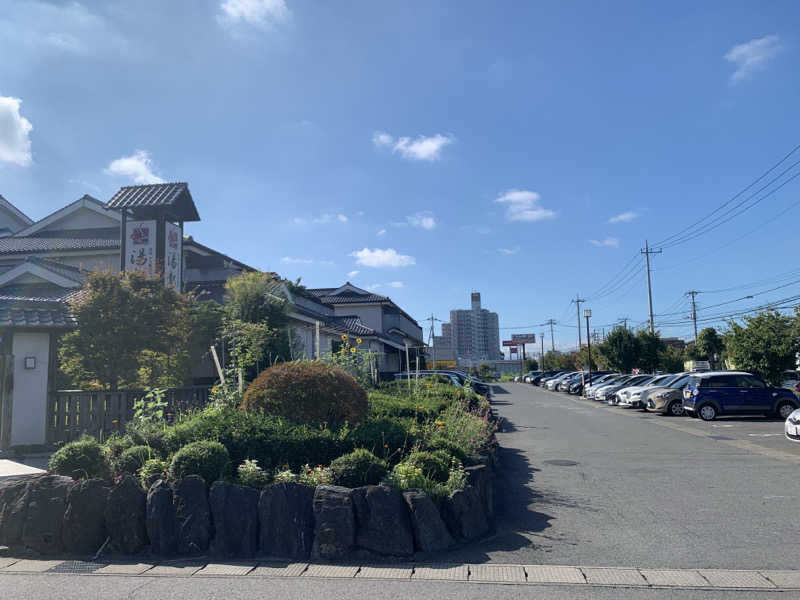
column 426, row 149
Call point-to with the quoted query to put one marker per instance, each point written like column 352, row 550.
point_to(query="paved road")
column 646, row 490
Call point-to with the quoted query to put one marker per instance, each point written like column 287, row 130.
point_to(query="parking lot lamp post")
column 587, row 312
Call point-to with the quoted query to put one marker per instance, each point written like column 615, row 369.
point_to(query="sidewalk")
column 10, row 468
column 577, row 576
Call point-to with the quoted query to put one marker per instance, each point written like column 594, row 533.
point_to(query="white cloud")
column 625, row 217
column 381, row 232
column 15, row 141
column 374, row 286
column 138, row 167
column 322, row 219
column 424, row 220
column 523, row 205
column 421, row 148
column 508, row 251
column 382, row 258
column 396, row 284
column 609, row 242
column 353, row 273
column 258, row 13
column 750, row 56
column 290, row 260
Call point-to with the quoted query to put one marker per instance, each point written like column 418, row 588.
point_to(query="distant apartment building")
column 472, row 336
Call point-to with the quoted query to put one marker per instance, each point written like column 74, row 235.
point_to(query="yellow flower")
column 352, row 350
column 344, row 336
column 358, row 340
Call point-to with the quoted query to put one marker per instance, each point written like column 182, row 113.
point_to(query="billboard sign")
column 510, row 343
column 140, row 247
column 173, row 258
column 513, row 350
column 523, row 338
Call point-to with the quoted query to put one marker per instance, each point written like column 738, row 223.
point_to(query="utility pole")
column 693, row 315
column 624, row 321
column 577, row 303
column 647, row 252
column 433, row 320
column 588, row 313
column 551, row 322
column 541, row 339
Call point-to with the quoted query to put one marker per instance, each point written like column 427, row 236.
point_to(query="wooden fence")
column 99, row 413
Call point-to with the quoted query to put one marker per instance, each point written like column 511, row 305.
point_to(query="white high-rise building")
column 471, row 336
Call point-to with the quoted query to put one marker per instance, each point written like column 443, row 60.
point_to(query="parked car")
column 631, row 397
column 610, row 392
column 790, row 380
column 530, row 375
column 599, row 382
column 540, row 379
column 791, row 427
column 708, row 395
column 577, row 386
column 552, row 383
column 563, row 386
column 600, row 393
column 667, row 400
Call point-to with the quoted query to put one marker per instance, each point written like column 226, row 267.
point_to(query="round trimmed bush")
column 435, row 464
column 206, row 459
column 151, row 471
column 445, row 445
column 82, row 459
column 132, row 459
column 359, row 467
column 307, row 391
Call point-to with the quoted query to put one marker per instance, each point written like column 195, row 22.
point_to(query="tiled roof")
column 18, row 245
column 34, row 312
column 351, row 324
column 68, row 271
column 173, row 195
column 352, row 298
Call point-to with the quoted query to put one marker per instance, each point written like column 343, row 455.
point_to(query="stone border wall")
column 54, row 515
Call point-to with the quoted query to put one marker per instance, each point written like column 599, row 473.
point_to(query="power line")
column 732, row 199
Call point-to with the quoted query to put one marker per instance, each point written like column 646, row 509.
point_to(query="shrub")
column 314, row 476
column 151, row 471
column 435, row 464
column 408, row 475
column 465, row 429
column 82, row 459
column 117, row 443
column 207, row 459
column 146, row 433
column 132, row 459
column 452, row 449
column 284, row 476
column 307, row 391
column 359, row 467
column 385, row 437
column 252, row 475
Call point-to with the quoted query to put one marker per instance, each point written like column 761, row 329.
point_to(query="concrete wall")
column 29, row 398
column 371, row 316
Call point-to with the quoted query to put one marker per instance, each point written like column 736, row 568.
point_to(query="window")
column 722, row 381
column 749, row 381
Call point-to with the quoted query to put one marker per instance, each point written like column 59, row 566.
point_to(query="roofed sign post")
column 152, row 239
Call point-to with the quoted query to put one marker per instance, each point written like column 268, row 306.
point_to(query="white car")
column 597, row 383
column 791, row 428
column 631, row 397
column 553, row 383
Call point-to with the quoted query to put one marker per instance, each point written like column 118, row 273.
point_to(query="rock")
column 334, row 522
column 44, row 519
column 84, row 529
column 234, row 512
column 382, row 522
column 160, row 519
column 464, row 513
column 125, row 516
column 430, row 532
column 13, row 509
column 286, row 518
column 480, row 477
column 192, row 515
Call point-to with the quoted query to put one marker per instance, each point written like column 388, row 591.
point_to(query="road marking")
column 765, row 434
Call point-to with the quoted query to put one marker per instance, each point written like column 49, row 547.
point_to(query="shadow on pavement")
column 496, row 389
column 514, row 518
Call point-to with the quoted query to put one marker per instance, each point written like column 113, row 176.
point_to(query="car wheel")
column 785, row 408
column 707, row 412
column 675, row 409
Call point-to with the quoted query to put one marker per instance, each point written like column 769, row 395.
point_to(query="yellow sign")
column 445, row 363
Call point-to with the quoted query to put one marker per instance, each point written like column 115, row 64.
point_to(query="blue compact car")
column 715, row 393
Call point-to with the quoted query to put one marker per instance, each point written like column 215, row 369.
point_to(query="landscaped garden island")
column 306, row 463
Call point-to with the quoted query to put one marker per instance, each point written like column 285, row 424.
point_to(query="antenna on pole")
column 433, row 321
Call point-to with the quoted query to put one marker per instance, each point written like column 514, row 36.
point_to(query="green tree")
column 557, row 360
column 671, row 359
column 256, row 321
column 650, row 346
column 581, row 358
column 766, row 344
column 131, row 331
column 531, row 364
column 620, row 350
column 709, row 343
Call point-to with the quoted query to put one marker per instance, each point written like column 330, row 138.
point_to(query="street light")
column 587, row 312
